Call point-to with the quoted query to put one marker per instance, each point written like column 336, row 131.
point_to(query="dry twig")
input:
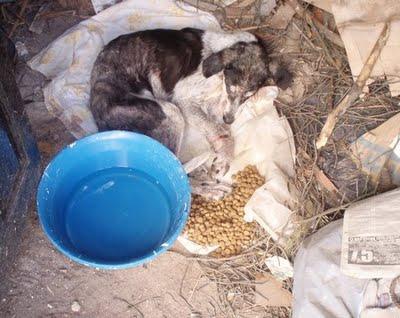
column 330, row 35
column 355, row 90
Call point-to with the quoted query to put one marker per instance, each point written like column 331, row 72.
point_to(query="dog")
column 155, row 82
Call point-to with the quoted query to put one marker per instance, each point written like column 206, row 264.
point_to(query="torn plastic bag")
column 320, row 289
column 365, row 244
column 377, row 300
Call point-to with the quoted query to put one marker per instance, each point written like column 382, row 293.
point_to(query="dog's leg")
column 162, row 121
column 130, row 112
column 211, row 190
column 217, row 135
column 203, row 184
column 170, row 132
column 157, row 119
column 220, row 140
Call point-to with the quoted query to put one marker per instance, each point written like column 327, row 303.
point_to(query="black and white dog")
column 156, row 81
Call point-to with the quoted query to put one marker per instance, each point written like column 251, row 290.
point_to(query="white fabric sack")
column 264, row 139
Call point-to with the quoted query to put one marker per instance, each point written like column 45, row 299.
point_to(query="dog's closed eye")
column 212, row 65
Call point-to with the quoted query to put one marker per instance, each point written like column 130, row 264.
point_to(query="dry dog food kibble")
column 221, row 222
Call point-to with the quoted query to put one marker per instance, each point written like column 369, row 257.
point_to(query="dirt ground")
column 44, row 283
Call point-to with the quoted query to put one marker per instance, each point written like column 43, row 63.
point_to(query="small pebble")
column 75, row 306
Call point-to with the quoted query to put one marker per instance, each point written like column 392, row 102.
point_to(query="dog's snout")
column 229, row 119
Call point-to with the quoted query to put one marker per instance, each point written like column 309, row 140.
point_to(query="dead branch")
column 355, row 90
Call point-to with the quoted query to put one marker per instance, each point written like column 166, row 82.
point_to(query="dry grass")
column 236, row 278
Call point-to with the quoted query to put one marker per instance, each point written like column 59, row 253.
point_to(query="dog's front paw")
column 224, row 157
column 220, row 166
column 214, row 190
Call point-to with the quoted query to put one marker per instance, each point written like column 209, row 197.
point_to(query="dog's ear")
column 265, row 43
column 283, row 78
column 281, row 74
column 213, row 64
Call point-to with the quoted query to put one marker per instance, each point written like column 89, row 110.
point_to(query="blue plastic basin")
column 113, row 200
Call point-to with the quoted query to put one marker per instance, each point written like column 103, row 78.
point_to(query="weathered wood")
column 19, row 159
column 82, row 7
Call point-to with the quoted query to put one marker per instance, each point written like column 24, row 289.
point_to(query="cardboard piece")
column 271, row 292
column 282, row 17
column 378, row 152
column 359, row 23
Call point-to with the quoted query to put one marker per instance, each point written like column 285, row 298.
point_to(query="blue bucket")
column 113, row 200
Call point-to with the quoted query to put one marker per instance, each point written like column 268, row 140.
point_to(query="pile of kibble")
column 221, row 222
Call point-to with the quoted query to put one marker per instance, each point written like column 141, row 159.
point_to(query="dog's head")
column 246, row 69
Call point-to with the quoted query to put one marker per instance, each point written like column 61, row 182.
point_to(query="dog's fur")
column 155, row 81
